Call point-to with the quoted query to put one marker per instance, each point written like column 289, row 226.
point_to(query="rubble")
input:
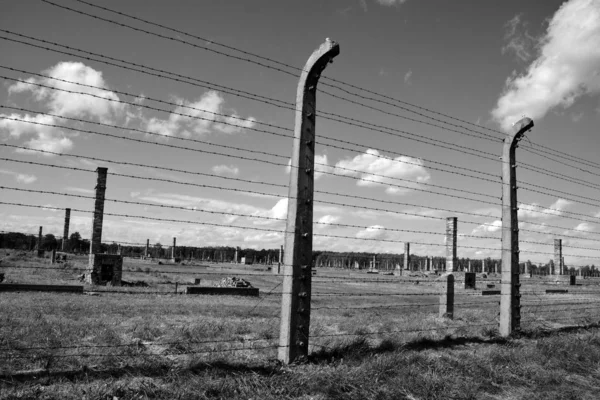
column 234, row 282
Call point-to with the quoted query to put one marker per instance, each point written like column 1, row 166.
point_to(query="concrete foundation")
column 104, row 269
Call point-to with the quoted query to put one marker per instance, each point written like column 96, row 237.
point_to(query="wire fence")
column 378, row 197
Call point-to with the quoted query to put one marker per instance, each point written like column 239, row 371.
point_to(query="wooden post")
column 295, row 306
column 510, row 307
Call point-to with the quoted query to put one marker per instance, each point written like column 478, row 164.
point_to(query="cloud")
column 372, row 232
column 566, row 68
column 390, row 3
column 226, row 170
column 585, row 227
column 327, row 220
column 50, row 138
column 518, row 40
column 71, row 104
column 488, row 228
column 26, row 179
column 199, row 118
column 193, row 203
column 79, row 190
column 47, row 138
column 535, row 211
column 373, row 170
column 407, row 77
column 21, row 178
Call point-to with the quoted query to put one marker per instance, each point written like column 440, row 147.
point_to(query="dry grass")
column 167, row 345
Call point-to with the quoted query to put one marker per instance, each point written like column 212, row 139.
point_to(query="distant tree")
column 75, row 242
column 49, row 242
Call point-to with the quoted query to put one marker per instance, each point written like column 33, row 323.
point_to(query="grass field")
column 372, row 336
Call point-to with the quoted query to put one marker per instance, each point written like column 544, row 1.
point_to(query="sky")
column 209, row 124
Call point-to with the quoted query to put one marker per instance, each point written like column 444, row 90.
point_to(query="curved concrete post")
column 295, row 307
column 510, row 307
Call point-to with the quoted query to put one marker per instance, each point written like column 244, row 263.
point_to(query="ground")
column 372, row 337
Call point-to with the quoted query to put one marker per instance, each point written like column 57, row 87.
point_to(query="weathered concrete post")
column 398, row 268
column 469, row 266
column 510, row 307
column 279, row 262
column 147, row 248
column 447, row 298
column 40, row 249
column 66, row 229
column 451, row 223
column 98, row 212
column 563, row 269
column 557, row 270
column 53, row 257
column 295, row 307
column 173, row 249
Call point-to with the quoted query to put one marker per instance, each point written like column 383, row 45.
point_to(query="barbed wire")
column 330, row 116
column 285, row 105
column 360, row 176
column 287, row 66
column 479, row 136
column 269, row 218
column 299, row 69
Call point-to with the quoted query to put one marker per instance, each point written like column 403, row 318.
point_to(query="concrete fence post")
column 297, row 268
column 451, row 223
column 98, row 212
column 40, row 248
column 173, row 249
column 557, row 270
column 510, row 304
column 447, row 298
column 66, row 229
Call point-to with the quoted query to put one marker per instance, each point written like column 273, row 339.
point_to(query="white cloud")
column 584, row 226
column 519, row 41
column 407, row 77
column 488, row 228
column 566, row 68
column 328, row 220
column 199, row 118
column 390, row 3
column 372, row 232
column 79, row 190
column 70, row 104
column 226, row 170
column 373, row 170
column 535, row 211
column 26, row 179
column 48, row 138
column 21, row 178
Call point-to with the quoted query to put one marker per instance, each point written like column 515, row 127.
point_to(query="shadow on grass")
column 356, row 349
